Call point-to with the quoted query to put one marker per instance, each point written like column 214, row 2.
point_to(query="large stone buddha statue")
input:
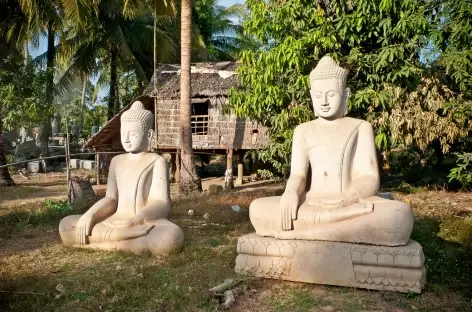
column 341, row 207
column 133, row 214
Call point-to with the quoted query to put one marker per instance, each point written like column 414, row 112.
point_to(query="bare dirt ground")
column 37, row 273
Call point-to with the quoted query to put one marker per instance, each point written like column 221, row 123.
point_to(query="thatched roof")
column 112, row 127
column 208, row 80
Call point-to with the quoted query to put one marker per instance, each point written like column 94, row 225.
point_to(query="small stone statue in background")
column 133, row 214
column 75, row 130
column 56, row 124
column 23, row 135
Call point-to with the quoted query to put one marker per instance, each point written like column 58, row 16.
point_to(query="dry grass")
column 33, row 263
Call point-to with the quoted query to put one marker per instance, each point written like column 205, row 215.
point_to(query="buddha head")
column 136, row 128
column 328, row 89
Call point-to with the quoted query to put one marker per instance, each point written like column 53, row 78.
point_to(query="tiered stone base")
column 343, row 264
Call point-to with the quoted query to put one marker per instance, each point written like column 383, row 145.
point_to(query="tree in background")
column 380, row 44
column 22, row 97
column 189, row 178
column 45, row 17
column 452, row 52
column 221, row 29
column 117, row 40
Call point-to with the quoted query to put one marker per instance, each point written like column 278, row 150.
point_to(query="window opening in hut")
column 255, row 132
column 200, row 116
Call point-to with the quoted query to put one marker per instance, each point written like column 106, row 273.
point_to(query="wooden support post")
column 239, row 180
column 229, row 170
column 202, row 168
column 97, row 166
column 251, row 165
column 173, row 166
column 156, row 129
column 177, row 167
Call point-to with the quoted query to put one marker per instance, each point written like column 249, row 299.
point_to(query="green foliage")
column 9, row 158
column 22, row 93
column 458, row 230
column 379, row 43
column 50, row 211
column 462, row 173
column 453, row 40
column 57, row 207
column 267, row 174
column 295, row 300
column 221, row 30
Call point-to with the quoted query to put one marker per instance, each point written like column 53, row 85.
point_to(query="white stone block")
column 33, row 167
column 89, row 164
column 74, row 163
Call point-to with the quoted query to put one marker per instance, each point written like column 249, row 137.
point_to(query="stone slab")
column 89, row 164
column 398, row 268
column 75, row 163
column 33, row 167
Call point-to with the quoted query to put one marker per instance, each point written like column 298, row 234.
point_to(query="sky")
column 43, row 41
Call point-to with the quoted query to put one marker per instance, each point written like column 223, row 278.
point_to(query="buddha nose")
column 127, row 138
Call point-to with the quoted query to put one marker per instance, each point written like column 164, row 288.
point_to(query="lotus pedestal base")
column 343, row 264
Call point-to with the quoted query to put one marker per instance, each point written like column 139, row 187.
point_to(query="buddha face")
column 132, row 137
column 328, row 98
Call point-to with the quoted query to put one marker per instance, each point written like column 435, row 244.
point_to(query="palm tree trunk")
column 82, row 105
column 25, row 53
column 189, row 178
column 112, row 103
column 46, row 131
column 5, row 178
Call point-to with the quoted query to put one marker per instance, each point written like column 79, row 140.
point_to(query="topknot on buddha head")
column 137, row 113
column 327, row 68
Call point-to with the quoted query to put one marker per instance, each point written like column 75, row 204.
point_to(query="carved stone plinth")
column 343, row 264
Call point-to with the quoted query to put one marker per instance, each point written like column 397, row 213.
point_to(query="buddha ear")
column 150, row 134
column 347, row 92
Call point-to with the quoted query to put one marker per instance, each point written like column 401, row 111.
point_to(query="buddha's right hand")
column 288, row 209
column 83, row 228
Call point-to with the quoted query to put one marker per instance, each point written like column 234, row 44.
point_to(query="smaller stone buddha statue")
column 133, row 214
column 341, row 204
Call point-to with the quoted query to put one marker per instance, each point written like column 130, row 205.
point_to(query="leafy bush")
column 50, row 212
column 462, row 173
column 9, row 161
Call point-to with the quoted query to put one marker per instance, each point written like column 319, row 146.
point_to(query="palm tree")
column 221, row 30
column 189, row 178
column 117, row 40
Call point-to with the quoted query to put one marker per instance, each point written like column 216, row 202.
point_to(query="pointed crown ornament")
column 327, row 68
column 138, row 113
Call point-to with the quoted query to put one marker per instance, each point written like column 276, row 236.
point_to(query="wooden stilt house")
column 214, row 130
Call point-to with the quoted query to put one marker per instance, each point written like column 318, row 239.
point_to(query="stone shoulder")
column 301, row 128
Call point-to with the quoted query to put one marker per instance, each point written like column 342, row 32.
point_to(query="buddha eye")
column 331, row 93
column 318, row 94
